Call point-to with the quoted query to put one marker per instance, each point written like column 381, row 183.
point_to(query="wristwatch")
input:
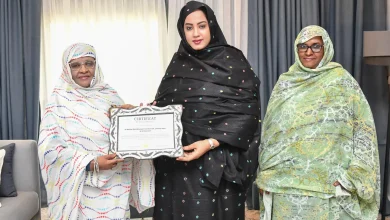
column 212, row 146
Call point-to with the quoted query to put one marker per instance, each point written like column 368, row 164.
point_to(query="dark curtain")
column 274, row 25
column 20, row 22
column 344, row 22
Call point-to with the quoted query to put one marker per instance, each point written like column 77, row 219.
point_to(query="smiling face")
column 197, row 31
column 83, row 70
column 308, row 58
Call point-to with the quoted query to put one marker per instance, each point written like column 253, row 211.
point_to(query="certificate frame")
column 117, row 116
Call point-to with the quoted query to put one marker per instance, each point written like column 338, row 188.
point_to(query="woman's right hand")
column 106, row 162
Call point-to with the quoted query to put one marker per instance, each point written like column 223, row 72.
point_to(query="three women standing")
column 318, row 157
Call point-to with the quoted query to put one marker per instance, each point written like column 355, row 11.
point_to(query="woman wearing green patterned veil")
column 318, row 154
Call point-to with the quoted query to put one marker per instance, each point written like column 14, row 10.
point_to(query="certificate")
column 146, row 132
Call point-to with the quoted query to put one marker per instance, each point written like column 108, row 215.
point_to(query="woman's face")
column 197, row 31
column 83, row 70
column 312, row 56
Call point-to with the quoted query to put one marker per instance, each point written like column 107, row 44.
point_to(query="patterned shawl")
column 319, row 129
column 219, row 92
column 74, row 130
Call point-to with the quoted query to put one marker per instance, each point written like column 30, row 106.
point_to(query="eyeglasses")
column 75, row 66
column 316, row 48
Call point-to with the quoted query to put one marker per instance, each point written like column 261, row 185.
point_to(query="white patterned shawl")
column 74, row 130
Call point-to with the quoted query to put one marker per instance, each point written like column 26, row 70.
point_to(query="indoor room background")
column 135, row 40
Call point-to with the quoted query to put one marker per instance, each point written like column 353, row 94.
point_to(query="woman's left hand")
column 194, row 150
column 127, row 106
column 124, row 106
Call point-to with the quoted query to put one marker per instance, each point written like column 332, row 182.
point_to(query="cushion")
column 2, row 155
column 22, row 207
column 7, row 186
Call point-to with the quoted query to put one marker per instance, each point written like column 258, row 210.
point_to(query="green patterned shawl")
column 319, row 129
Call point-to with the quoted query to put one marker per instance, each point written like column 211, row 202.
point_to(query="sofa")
column 27, row 204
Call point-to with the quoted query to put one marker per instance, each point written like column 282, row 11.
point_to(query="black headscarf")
column 219, row 92
column 217, row 37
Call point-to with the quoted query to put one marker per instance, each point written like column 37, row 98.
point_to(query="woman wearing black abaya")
column 219, row 91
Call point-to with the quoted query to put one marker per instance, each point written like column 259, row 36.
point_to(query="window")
column 129, row 37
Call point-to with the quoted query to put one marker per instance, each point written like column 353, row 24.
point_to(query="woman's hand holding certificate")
column 146, row 132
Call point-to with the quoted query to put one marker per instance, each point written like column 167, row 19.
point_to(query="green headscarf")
column 319, row 129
